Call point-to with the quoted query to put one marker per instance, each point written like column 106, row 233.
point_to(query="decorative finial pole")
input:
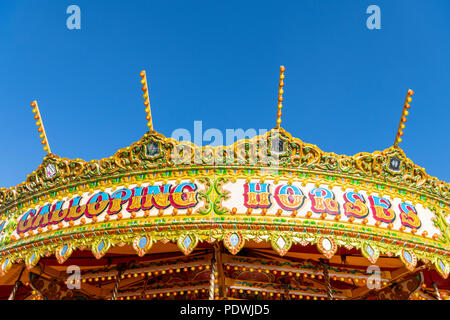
column 280, row 96
column 326, row 277
column 405, row 112
column 40, row 125
column 146, row 100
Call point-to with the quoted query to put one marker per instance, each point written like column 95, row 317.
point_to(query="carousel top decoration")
column 146, row 97
column 405, row 112
column 40, row 125
column 280, row 96
column 273, row 188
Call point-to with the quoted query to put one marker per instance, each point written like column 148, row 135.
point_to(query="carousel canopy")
column 269, row 194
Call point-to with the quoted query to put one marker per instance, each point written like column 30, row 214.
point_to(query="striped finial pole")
column 146, row 100
column 17, row 285
column 280, row 96
column 41, row 128
column 212, row 279
column 405, row 112
column 116, row 285
column 326, row 277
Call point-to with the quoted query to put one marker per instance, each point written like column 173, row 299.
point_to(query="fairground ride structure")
column 270, row 217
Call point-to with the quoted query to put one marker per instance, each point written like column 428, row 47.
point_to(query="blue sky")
column 219, row 62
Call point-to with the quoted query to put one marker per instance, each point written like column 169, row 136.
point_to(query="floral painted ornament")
column 6, row 264
column 100, row 247
column 327, row 246
column 280, row 244
column 443, row 268
column 234, row 242
column 31, row 260
column 409, row 259
column 187, row 242
column 142, row 244
column 370, row 252
column 64, row 252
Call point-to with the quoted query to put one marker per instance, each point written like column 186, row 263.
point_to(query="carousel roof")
column 271, row 192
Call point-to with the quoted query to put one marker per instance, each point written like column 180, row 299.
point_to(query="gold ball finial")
column 403, row 119
column 39, row 123
column 146, row 99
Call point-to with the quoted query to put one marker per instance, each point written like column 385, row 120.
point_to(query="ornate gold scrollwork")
column 256, row 153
